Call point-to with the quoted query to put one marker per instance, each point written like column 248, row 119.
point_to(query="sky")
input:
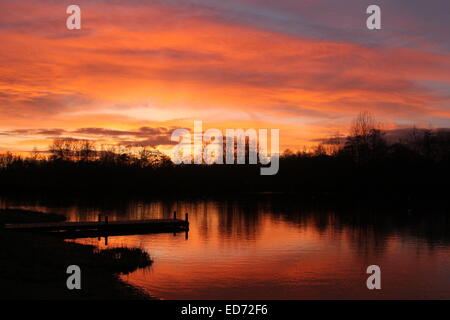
column 137, row 70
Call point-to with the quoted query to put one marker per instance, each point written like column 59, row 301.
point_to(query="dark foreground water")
column 277, row 249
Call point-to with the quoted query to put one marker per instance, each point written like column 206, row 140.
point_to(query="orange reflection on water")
column 237, row 251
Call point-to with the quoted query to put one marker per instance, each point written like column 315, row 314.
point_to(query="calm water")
column 277, row 249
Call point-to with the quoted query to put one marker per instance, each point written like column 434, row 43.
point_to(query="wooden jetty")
column 105, row 227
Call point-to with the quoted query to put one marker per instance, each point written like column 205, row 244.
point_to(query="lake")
column 272, row 247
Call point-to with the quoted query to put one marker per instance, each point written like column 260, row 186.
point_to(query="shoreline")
column 33, row 267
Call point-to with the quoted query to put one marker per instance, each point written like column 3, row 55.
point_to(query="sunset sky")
column 138, row 69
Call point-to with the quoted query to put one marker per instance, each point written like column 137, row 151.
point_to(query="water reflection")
column 277, row 248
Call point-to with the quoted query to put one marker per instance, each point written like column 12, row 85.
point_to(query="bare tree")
column 366, row 138
column 87, row 151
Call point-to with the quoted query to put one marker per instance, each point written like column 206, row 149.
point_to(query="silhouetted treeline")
column 364, row 164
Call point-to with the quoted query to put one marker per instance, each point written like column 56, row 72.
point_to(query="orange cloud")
column 132, row 66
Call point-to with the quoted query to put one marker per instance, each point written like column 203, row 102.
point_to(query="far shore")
column 33, row 266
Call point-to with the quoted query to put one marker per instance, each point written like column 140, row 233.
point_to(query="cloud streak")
column 144, row 136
